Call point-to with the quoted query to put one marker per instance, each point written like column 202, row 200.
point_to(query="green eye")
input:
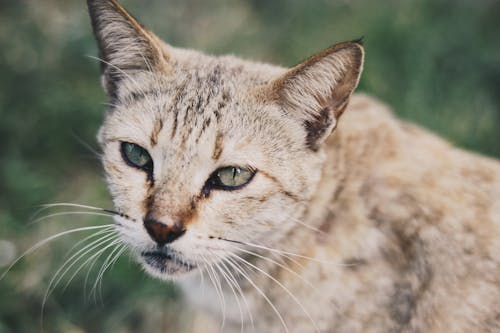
column 231, row 178
column 136, row 156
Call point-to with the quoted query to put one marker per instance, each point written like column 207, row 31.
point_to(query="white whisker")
column 69, row 213
column 65, row 204
column 307, row 226
column 87, row 250
column 285, row 252
column 95, row 234
column 238, row 268
column 240, row 291
column 93, row 258
column 234, row 282
column 110, row 260
column 70, row 204
column 49, row 239
column 229, row 283
column 64, row 268
column 87, row 146
column 288, row 269
column 220, row 292
column 246, row 262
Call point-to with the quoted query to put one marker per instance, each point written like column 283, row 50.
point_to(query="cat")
column 311, row 209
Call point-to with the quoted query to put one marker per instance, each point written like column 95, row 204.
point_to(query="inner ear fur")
column 125, row 46
column 317, row 90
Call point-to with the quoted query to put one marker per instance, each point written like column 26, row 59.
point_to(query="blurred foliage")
column 436, row 62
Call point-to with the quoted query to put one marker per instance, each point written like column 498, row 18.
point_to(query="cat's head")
column 205, row 154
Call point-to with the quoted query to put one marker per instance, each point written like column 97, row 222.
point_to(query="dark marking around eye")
column 205, row 191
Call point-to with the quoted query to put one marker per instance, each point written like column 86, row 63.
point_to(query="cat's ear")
column 125, row 46
column 317, row 91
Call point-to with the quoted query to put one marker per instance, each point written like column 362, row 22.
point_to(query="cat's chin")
column 164, row 265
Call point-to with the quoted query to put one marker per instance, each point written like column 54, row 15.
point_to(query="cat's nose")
column 162, row 233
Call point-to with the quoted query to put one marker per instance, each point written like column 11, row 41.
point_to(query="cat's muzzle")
column 166, row 261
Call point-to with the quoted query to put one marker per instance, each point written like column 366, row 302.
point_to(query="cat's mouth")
column 164, row 262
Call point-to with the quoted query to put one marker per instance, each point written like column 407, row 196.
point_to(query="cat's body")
column 379, row 227
column 411, row 227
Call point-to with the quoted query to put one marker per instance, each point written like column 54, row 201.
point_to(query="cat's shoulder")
column 395, row 161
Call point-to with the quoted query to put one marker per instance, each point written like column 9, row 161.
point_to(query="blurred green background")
column 435, row 62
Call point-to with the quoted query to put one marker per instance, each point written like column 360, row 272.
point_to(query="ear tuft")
column 125, row 46
column 317, row 90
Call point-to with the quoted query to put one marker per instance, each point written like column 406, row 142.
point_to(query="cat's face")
column 193, row 122
column 205, row 156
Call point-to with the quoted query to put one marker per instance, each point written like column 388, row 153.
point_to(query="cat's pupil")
column 228, row 176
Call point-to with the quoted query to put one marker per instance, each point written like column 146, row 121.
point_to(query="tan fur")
column 379, row 227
